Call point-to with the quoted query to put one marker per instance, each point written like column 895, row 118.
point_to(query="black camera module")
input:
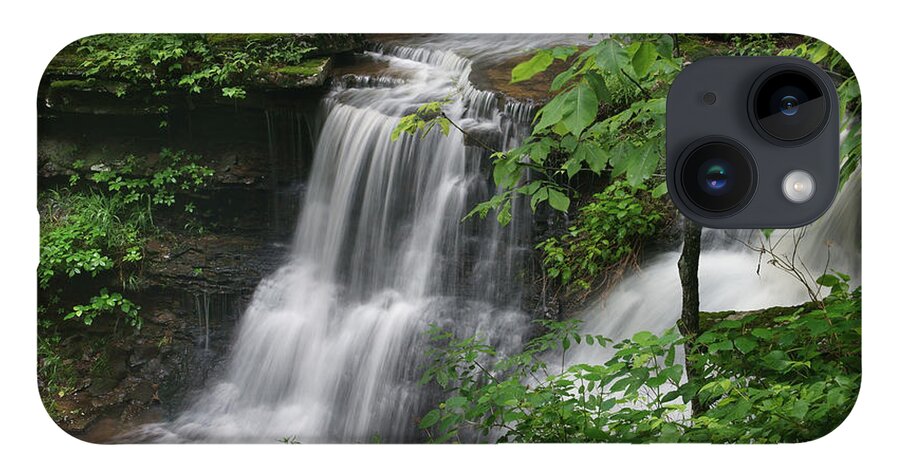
column 765, row 154
column 717, row 175
column 789, row 105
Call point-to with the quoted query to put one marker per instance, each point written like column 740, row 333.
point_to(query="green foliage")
column 106, row 303
column 630, row 80
column 423, row 120
column 167, row 63
column 526, row 401
column 81, row 231
column 626, row 79
column 788, row 377
column 609, row 229
column 540, row 62
column 180, row 172
column 56, row 374
column 102, row 228
column 754, row 45
column 234, row 92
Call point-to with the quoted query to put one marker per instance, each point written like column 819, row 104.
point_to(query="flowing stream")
column 333, row 343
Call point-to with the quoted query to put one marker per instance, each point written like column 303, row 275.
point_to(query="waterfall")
column 332, row 345
column 650, row 298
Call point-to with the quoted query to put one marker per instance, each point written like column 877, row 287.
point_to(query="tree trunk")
column 689, row 324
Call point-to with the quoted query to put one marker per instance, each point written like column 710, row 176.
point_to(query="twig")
column 636, row 83
column 468, row 135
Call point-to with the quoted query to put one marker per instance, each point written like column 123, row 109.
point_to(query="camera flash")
column 798, row 186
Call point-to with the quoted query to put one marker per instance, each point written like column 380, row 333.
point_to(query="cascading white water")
column 650, row 299
column 333, row 343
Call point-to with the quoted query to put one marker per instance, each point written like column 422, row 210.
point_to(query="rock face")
column 496, row 77
column 197, row 275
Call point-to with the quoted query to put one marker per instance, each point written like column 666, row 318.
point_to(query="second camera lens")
column 789, row 105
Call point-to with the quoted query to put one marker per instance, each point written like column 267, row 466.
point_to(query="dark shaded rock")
column 224, row 263
column 163, row 317
column 487, row 137
column 101, row 386
column 142, row 353
column 142, row 393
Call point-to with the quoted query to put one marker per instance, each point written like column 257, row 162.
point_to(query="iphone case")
column 317, row 238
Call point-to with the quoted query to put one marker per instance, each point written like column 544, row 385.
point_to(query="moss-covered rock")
column 309, row 73
column 763, row 317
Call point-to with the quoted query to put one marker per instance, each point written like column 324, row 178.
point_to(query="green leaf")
column 818, row 52
column 506, row 173
column 430, row 419
column 776, row 359
column 745, row 344
column 643, row 58
column 583, row 109
column 593, row 155
column 558, row 200
column 504, row 216
column 562, row 79
column 539, row 151
column 456, row 402
column 572, row 167
column 552, row 112
column 538, row 197
column 665, row 45
column 720, row 346
column 644, row 338
column 816, row 325
column 610, row 56
column 636, row 163
column 597, row 82
column 800, row 408
column 537, row 64
column 563, row 52
column 660, row 190
column 445, row 125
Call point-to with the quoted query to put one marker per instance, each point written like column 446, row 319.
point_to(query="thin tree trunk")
column 689, row 324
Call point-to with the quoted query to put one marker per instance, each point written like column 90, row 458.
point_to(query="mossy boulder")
column 309, row 73
column 291, row 61
column 764, row 317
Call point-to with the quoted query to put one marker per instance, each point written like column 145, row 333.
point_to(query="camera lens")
column 790, row 105
column 713, row 177
column 717, row 176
